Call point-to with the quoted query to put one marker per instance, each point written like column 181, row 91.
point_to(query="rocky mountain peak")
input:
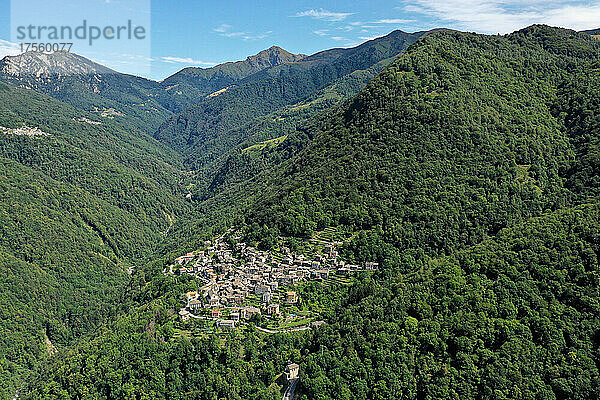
column 273, row 56
column 56, row 64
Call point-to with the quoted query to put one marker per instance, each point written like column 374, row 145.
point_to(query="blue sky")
column 203, row 33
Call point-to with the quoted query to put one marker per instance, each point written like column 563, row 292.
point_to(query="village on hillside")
column 241, row 284
column 23, row 131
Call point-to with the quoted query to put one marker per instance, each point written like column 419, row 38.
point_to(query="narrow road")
column 289, row 392
column 17, row 393
column 297, row 329
column 170, row 218
column 199, row 316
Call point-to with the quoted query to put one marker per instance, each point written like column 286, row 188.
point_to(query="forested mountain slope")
column 126, row 99
column 469, row 169
column 274, row 138
column 80, row 203
column 206, row 130
column 459, row 138
column 63, row 260
column 578, row 104
column 592, row 32
column 512, row 317
column 199, row 82
column 125, row 167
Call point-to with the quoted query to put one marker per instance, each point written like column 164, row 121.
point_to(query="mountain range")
column 205, row 81
column 467, row 166
column 133, row 100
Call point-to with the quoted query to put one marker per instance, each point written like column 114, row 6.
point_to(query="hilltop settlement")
column 240, row 283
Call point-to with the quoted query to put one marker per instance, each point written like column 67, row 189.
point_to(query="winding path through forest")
column 289, row 392
column 297, row 329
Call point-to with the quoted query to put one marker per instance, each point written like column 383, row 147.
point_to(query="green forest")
column 78, row 207
column 512, row 317
column 466, row 165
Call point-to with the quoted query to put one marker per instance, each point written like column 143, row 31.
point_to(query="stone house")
column 225, row 324
column 291, row 297
column 292, row 371
column 273, row 309
column 195, row 305
column 248, row 311
column 266, row 297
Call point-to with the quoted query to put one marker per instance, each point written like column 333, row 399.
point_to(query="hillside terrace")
column 240, row 281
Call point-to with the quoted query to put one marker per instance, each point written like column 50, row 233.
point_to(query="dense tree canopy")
column 468, row 168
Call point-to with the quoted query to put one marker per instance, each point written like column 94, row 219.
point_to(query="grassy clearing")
column 181, row 333
column 257, row 148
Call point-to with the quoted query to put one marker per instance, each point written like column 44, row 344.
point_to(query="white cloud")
column 393, row 21
column 225, row 30
column 321, row 32
column 577, row 17
column 324, row 15
column 338, row 38
column 136, row 57
column 256, row 36
column 233, row 34
column 222, row 28
column 370, row 37
column 187, row 60
column 504, row 16
column 9, row 49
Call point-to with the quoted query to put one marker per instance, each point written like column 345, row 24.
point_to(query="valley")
column 416, row 216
